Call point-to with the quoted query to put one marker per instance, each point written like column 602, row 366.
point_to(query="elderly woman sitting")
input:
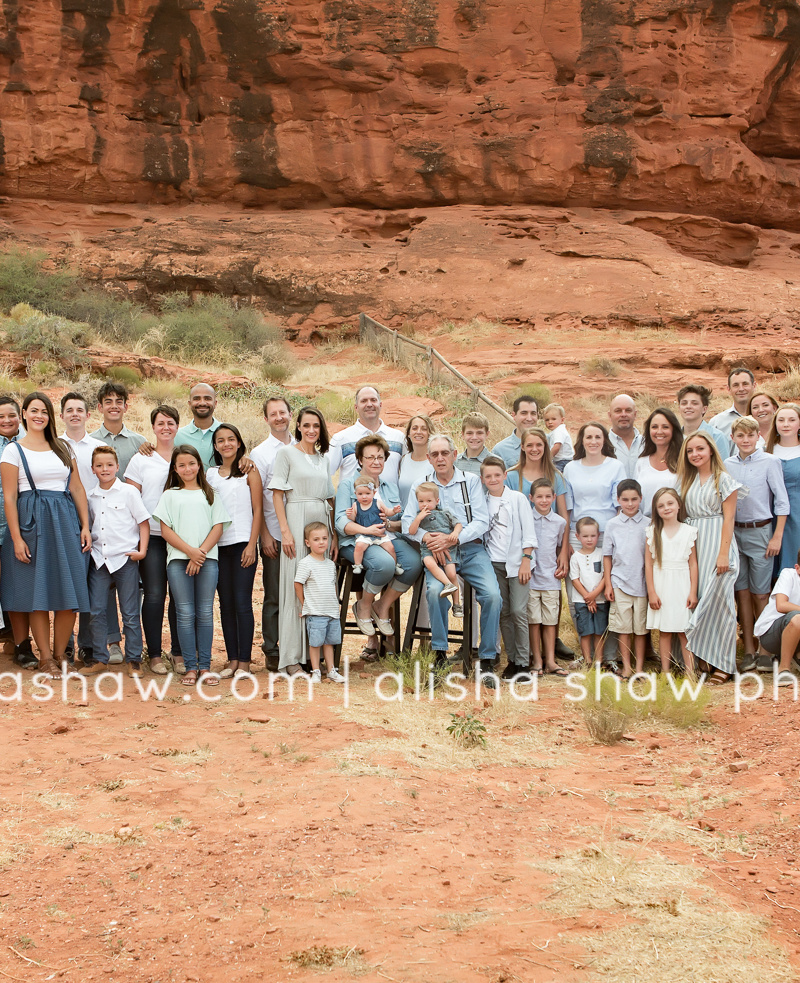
column 372, row 453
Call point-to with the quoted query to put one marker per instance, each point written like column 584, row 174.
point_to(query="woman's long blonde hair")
column 548, row 468
column 658, row 523
column 687, row 472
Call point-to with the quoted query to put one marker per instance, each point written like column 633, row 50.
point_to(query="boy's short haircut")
column 493, row 461
column 168, row 411
column 73, row 395
column 7, row 400
column 112, row 389
column 427, row 486
column 363, row 481
column 587, row 520
column 745, row 424
column 556, row 408
column 542, row 483
column 475, row 420
column 104, row 449
column 629, row 484
column 312, row 527
column 696, row 390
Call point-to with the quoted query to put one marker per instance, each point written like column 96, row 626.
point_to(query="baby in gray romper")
column 433, row 518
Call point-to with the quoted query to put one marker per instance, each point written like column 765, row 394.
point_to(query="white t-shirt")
column 235, row 495
column 786, row 453
column 151, row 474
column 82, row 449
column 561, row 436
column 318, row 578
column 498, row 537
column 588, row 568
column 788, row 583
column 263, row 456
column 47, row 470
column 651, row 479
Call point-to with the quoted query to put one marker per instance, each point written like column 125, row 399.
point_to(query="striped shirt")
column 342, row 452
column 318, row 578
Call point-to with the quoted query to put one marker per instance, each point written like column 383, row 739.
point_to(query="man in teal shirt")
column 200, row 432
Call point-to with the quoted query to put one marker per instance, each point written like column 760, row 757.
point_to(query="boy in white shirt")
column 510, row 542
column 120, row 536
column 558, row 437
column 778, row 627
column 315, row 587
column 588, row 583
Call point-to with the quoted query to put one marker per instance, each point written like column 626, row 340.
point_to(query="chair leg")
column 345, row 581
column 466, row 641
column 411, row 625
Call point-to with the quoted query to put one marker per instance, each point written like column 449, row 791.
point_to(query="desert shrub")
column 605, row 725
column 671, row 701
column 600, row 365
column 125, row 374
column 274, row 372
column 335, row 407
column 51, row 338
column 405, row 664
column 43, row 372
column 466, row 729
column 536, row 390
column 169, row 391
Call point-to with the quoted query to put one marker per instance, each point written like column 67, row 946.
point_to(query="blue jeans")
column 194, row 606
column 379, row 566
column 126, row 580
column 235, row 589
column 153, row 571
column 476, row 568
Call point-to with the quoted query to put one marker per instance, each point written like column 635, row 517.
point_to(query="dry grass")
column 605, row 725
column 600, row 365
column 671, row 927
column 326, row 958
column 459, row 922
column 66, row 835
column 466, row 334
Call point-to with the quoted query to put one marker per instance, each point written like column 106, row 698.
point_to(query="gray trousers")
column 513, row 616
column 271, row 606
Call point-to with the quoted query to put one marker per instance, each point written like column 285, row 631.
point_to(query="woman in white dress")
column 657, row 466
column 302, row 493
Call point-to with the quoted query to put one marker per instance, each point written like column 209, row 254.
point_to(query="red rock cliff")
column 686, row 105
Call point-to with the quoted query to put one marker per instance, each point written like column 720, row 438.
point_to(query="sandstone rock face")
column 684, row 105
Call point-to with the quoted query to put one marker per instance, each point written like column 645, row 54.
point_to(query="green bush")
column 536, row 390
column 125, row 374
column 683, row 712
column 51, row 338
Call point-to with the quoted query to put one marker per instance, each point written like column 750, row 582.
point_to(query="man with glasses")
column 462, row 494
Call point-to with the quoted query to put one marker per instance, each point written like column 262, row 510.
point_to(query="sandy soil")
column 175, row 839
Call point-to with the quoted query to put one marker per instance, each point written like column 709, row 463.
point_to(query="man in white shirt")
column 741, row 385
column 627, row 441
column 278, row 414
column 525, row 414
column 342, row 457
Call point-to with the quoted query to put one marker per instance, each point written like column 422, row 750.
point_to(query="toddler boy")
column 558, row 437
column 588, row 582
column 433, row 518
column 315, row 587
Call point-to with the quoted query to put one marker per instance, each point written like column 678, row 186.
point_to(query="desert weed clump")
column 536, row 390
column 467, row 729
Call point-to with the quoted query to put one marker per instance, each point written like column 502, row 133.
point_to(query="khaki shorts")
column 543, row 607
column 628, row 614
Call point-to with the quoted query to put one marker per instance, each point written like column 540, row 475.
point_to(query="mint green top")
column 201, row 440
column 188, row 514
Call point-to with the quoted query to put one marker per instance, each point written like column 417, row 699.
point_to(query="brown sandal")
column 190, row 679
column 208, row 678
column 718, row 678
column 51, row 669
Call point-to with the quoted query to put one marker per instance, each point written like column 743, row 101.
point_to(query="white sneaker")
column 316, row 676
column 115, row 656
column 335, row 676
column 398, row 569
column 357, row 568
column 458, row 610
column 450, row 589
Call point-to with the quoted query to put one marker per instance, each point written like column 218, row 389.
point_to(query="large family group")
column 684, row 527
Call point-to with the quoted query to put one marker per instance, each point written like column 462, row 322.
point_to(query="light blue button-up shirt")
column 627, row 456
column 762, row 474
column 508, row 449
column 451, row 497
column 625, row 540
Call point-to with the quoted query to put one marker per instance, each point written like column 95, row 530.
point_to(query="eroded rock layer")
column 683, row 105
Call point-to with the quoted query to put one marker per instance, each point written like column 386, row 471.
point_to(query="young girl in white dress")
column 670, row 566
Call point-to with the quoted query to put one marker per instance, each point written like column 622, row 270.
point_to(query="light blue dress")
column 791, row 533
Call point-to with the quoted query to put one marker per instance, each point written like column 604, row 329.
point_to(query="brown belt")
column 752, row 525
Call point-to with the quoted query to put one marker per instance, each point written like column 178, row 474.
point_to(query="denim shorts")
column 591, row 622
column 323, row 630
